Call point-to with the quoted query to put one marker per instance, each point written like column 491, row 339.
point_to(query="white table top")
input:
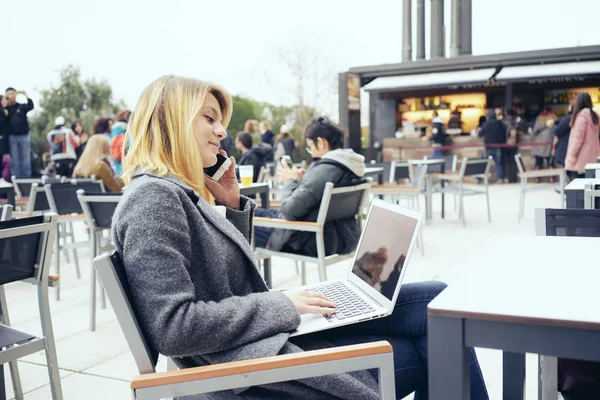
column 579, row 183
column 429, row 161
column 532, row 280
column 254, row 185
column 373, row 170
column 592, row 166
column 4, row 183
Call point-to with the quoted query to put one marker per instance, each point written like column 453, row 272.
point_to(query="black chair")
column 98, row 208
column 25, row 249
column 400, row 171
column 62, row 198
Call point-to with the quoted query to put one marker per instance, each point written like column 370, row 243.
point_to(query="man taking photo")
column 19, row 141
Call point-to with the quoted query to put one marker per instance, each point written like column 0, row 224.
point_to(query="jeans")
column 20, row 155
column 496, row 153
column 406, row 330
column 262, row 234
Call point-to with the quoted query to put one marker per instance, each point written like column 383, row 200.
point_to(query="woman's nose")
column 220, row 131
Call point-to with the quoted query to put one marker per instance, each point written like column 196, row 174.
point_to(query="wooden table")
column 376, row 172
column 575, row 192
column 592, row 170
column 535, row 294
column 257, row 188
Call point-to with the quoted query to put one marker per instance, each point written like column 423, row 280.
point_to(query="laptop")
column 373, row 282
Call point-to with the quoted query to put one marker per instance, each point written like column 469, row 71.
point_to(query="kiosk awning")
column 548, row 71
column 432, row 80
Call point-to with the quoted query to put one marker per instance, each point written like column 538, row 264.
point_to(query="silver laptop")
column 372, row 285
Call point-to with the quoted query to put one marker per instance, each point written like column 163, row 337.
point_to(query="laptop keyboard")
column 348, row 303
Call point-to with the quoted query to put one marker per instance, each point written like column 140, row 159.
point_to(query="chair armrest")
column 446, row 177
column 260, row 364
column 71, row 217
column 21, row 214
column 541, row 173
column 284, row 224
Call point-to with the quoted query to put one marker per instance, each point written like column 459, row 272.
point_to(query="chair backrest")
column 450, row 162
column 25, row 248
column 113, row 277
column 591, row 197
column 519, row 162
column 62, row 197
column 475, row 166
column 399, row 170
column 343, row 202
column 23, row 185
column 387, row 169
column 37, row 199
column 99, row 207
column 567, row 222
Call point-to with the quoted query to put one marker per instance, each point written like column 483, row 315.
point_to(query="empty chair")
column 98, row 208
column 25, row 249
column 233, row 375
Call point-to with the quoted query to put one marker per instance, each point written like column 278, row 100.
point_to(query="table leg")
column 265, row 202
column 443, row 171
column 428, row 199
column 448, row 359
column 2, row 385
column 11, row 197
column 513, row 376
column 264, row 199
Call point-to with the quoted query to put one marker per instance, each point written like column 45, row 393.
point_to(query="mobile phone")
column 288, row 161
column 216, row 171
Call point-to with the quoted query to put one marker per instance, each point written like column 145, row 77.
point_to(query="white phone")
column 288, row 161
column 216, row 171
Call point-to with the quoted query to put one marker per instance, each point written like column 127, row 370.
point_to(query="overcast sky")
column 238, row 43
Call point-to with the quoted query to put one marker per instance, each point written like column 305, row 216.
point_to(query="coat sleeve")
column 151, row 229
column 105, row 174
column 242, row 218
column 577, row 137
column 29, row 105
column 299, row 198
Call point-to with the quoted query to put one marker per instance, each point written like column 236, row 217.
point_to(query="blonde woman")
column 94, row 161
column 251, row 126
column 191, row 270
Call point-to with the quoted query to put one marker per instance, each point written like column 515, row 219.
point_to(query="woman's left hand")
column 226, row 190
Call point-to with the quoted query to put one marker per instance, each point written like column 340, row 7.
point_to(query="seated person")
column 257, row 156
column 302, row 193
column 94, row 161
column 194, row 283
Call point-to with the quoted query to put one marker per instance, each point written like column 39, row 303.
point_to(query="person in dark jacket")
column 18, row 134
column 438, row 134
column 257, row 156
column 227, row 145
column 3, row 125
column 562, row 131
column 494, row 133
column 267, row 135
column 285, row 145
column 302, row 193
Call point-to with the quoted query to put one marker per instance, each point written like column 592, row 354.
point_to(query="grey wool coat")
column 199, row 295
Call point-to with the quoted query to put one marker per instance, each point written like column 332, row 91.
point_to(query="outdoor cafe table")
column 575, row 191
column 436, row 163
column 534, row 294
column 257, row 188
column 375, row 172
column 592, row 170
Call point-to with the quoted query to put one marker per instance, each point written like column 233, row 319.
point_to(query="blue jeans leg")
column 20, row 155
column 261, row 234
column 406, row 330
column 496, row 154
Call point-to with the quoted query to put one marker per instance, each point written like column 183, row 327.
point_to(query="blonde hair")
column 251, row 126
column 266, row 124
column 96, row 149
column 161, row 130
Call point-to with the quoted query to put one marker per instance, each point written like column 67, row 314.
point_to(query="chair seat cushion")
column 10, row 336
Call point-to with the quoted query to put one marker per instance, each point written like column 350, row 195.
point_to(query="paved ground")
column 98, row 365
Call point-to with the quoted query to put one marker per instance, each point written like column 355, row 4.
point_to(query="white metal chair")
column 25, row 250
column 477, row 168
column 590, row 194
column 525, row 175
column 336, row 204
column 98, row 208
column 233, row 375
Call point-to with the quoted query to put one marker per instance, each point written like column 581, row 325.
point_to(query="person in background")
column 78, row 130
column 438, row 134
column 542, row 138
column 257, row 156
column 251, row 126
column 117, row 135
column 285, row 145
column 94, row 161
column 584, row 146
column 227, row 145
column 266, row 133
column 18, row 134
column 102, row 126
column 494, row 133
column 562, row 131
column 3, row 125
column 62, row 143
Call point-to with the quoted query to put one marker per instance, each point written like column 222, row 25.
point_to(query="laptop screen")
column 383, row 249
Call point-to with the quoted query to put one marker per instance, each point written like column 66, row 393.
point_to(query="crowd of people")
column 569, row 142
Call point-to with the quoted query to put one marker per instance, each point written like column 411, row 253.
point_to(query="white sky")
column 236, row 42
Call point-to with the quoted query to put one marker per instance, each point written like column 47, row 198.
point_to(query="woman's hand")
column 311, row 302
column 226, row 190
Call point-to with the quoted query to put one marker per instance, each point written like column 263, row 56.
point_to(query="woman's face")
column 209, row 131
column 78, row 128
column 4, row 102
